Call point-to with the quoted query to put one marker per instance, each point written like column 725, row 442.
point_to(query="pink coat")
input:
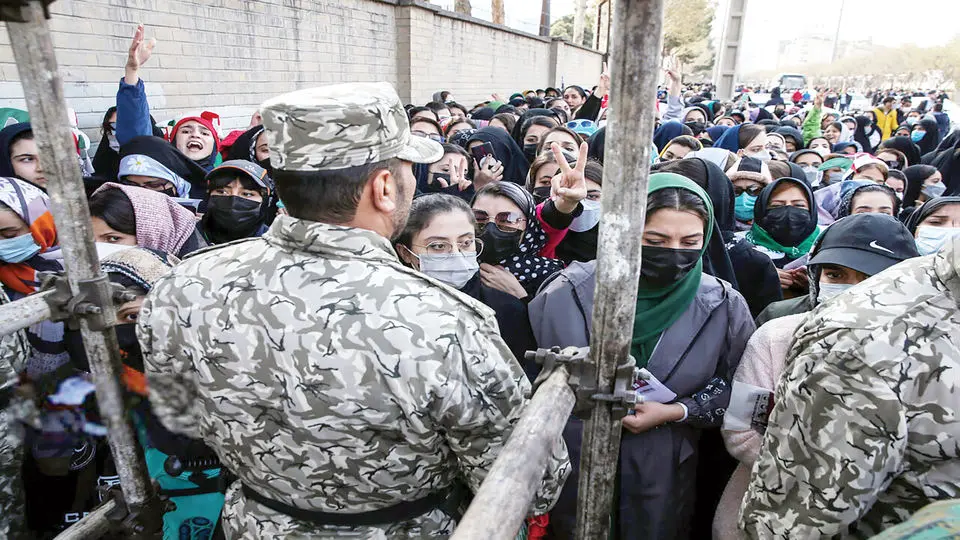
column 761, row 365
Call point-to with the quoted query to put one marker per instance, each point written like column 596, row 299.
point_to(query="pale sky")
column 924, row 23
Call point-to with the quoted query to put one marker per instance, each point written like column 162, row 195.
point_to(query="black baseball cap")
column 868, row 243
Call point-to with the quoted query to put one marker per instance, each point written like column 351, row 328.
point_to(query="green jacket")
column 811, row 125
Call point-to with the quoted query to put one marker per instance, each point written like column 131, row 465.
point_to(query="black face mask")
column 498, row 245
column 265, row 163
column 541, row 194
column 126, row 338
column 661, row 267
column 788, row 225
column 233, row 217
column 530, row 152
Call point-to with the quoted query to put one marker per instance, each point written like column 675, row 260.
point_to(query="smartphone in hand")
column 482, row 151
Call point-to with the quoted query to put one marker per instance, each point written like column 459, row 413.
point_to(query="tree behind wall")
column 563, row 28
column 686, row 35
column 463, row 6
column 496, row 7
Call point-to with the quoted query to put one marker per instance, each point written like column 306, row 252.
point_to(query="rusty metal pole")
column 43, row 89
column 636, row 43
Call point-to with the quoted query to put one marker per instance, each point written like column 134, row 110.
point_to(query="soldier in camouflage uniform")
column 334, row 381
column 14, row 352
column 864, row 431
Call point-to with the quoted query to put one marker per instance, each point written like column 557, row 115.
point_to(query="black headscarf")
column 595, row 144
column 483, row 113
column 761, row 208
column 927, row 209
column 517, row 135
column 915, row 174
column 860, row 133
column 7, row 135
column 245, row 147
column 792, row 133
column 526, row 264
column 905, row 145
column 167, row 155
column 506, row 150
column 845, row 208
column 716, row 259
column 931, row 139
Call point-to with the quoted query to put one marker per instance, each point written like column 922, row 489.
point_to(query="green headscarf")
column 658, row 308
column 760, row 237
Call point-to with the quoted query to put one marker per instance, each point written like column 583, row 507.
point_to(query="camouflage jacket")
column 329, row 376
column 864, row 430
column 14, row 351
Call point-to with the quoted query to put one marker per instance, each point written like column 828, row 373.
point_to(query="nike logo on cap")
column 875, row 245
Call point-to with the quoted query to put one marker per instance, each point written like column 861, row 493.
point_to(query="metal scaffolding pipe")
column 43, row 90
column 94, row 525
column 25, row 312
column 504, row 498
column 636, row 43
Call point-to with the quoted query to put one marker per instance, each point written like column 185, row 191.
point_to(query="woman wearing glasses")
column 749, row 176
column 440, row 241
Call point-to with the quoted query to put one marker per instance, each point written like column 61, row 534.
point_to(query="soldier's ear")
column 383, row 191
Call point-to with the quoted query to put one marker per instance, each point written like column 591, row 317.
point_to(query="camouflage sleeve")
column 705, row 408
column 835, row 440
column 482, row 401
column 171, row 375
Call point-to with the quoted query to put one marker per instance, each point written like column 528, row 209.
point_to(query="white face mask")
column 589, row 218
column 454, row 269
column 931, row 239
column 829, row 290
column 814, row 176
column 763, row 155
column 112, row 140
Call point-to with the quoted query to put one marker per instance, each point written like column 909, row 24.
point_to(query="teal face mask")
column 18, row 248
column 743, row 208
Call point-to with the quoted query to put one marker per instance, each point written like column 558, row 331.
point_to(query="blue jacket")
column 133, row 112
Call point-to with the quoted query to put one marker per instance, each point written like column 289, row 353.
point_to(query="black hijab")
column 506, row 150
column 915, row 174
column 905, row 145
column 518, row 128
column 245, row 147
column 595, row 144
column 761, row 209
column 526, row 264
column 931, row 139
column 7, row 135
column 716, row 259
column 860, row 133
column 167, row 155
column 483, row 113
column 928, row 208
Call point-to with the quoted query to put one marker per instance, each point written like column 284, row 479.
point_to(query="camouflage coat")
column 329, row 376
column 864, row 431
column 14, row 351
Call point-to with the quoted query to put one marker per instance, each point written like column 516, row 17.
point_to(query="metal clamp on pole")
column 11, row 10
column 583, row 379
column 66, row 306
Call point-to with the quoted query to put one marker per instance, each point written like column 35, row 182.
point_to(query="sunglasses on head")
column 505, row 221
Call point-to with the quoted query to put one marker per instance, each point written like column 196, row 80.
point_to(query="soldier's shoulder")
column 221, row 250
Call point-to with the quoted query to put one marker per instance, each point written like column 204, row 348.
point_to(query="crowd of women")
column 756, row 215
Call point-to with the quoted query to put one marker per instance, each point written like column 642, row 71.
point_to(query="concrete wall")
column 228, row 56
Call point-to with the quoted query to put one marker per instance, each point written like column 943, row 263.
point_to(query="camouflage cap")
column 340, row 126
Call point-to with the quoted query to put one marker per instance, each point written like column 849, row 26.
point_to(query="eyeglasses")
column 150, row 184
column 441, row 247
column 505, row 221
column 752, row 190
column 431, row 136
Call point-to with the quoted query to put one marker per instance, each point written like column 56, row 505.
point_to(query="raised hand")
column 489, row 170
column 569, row 187
column 603, row 85
column 675, row 81
column 140, row 51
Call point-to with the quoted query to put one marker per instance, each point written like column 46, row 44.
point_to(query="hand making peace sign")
column 570, row 186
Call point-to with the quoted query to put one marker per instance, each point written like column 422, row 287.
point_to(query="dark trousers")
column 657, row 482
